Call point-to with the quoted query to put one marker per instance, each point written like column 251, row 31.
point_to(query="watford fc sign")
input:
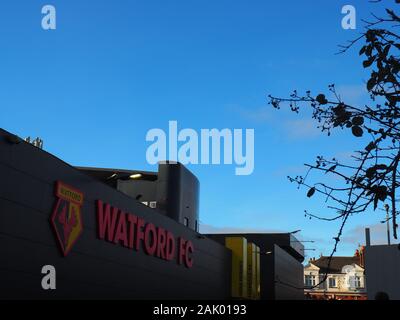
column 116, row 226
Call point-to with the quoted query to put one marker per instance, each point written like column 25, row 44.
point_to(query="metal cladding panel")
column 267, row 241
column 93, row 268
column 288, row 276
column 138, row 189
column 274, row 263
column 251, row 271
column 178, row 192
column 258, row 273
column 382, row 265
column 238, row 246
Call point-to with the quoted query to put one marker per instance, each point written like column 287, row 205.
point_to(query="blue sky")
column 112, row 70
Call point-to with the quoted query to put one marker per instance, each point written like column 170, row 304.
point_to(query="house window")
column 186, row 222
column 332, row 282
column 357, row 282
column 309, row 280
column 196, row 226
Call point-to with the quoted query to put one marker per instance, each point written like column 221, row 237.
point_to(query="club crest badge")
column 66, row 218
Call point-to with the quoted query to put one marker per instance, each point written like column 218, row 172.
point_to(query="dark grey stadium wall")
column 94, row 269
column 278, row 265
column 180, row 188
column 289, row 276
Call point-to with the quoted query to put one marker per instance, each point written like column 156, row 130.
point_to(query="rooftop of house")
column 336, row 265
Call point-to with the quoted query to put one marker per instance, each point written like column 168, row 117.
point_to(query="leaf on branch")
column 357, row 131
column 370, row 147
column 376, row 202
column 370, row 172
column 370, row 35
column 371, row 84
column 381, row 167
column 333, row 168
column 339, row 109
column 369, row 62
column 382, row 193
column 358, row 121
column 359, row 180
column 386, row 50
column 321, row 99
column 311, row 192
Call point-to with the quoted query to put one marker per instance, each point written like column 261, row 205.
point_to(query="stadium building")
column 125, row 234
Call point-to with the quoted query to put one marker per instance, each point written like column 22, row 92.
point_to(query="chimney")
column 367, row 237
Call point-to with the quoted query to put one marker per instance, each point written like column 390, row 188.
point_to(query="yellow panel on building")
column 251, row 271
column 258, row 272
column 238, row 246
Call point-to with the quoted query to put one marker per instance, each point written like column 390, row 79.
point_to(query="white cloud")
column 302, row 128
column 357, row 235
column 293, row 129
column 289, row 170
column 345, row 155
column 353, row 94
column 258, row 115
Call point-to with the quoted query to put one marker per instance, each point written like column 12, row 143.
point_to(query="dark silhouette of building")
column 281, row 257
column 173, row 190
